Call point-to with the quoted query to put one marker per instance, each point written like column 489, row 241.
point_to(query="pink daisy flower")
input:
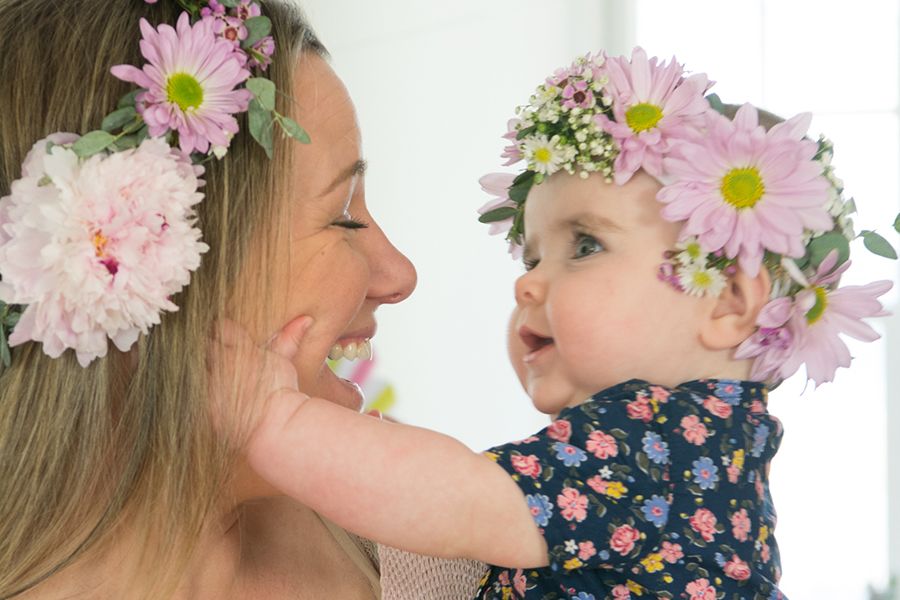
column 96, row 246
column 190, row 79
column 497, row 184
column 511, row 153
column 746, row 190
column 652, row 104
column 807, row 329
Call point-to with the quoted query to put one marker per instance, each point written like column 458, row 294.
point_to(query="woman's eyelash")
column 351, row 223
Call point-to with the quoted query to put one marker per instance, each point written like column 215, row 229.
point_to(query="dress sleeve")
column 596, row 481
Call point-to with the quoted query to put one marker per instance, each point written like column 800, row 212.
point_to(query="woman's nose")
column 393, row 276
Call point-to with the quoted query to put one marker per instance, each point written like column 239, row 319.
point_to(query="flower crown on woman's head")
column 749, row 197
column 99, row 231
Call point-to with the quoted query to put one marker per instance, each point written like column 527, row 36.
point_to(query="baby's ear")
column 733, row 316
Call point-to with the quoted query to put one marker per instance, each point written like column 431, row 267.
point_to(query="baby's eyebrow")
column 592, row 222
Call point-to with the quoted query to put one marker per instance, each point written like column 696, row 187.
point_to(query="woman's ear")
column 733, row 316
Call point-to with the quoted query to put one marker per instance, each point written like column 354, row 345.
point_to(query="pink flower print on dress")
column 519, row 582
column 733, row 473
column 586, row 550
column 717, row 406
column 640, row 409
column 704, row 523
column 621, row 592
column 572, row 504
column 526, row 465
column 694, row 431
column 740, row 525
column 701, row 590
column 671, row 552
column 765, row 554
column 623, row 539
column 602, row 445
column 737, row 569
column 660, row 394
column 598, row 484
column 560, row 430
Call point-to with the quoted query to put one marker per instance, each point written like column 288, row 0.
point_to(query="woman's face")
column 335, row 270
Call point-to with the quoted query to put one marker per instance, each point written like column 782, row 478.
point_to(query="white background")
column 435, row 83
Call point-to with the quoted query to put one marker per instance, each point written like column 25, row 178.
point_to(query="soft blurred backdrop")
column 436, row 82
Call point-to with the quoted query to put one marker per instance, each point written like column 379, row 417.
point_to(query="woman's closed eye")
column 585, row 245
column 348, row 222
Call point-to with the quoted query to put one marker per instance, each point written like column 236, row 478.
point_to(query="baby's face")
column 591, row 311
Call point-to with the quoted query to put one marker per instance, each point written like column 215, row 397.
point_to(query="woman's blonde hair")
column 127, row 440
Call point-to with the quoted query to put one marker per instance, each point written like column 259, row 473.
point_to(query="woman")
column 114, row 483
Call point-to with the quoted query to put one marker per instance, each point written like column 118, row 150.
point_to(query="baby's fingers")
column 287, row 342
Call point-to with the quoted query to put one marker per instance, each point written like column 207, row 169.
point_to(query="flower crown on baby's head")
column 99, row 231
column 749, row 197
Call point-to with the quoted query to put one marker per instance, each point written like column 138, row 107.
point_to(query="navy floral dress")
column 647, row 492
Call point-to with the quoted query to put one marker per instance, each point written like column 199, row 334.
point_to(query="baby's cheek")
column 516, row 347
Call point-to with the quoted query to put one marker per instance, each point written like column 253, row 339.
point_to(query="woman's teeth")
column 352, row 351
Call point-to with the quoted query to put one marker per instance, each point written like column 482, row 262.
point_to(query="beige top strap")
column 356, row 554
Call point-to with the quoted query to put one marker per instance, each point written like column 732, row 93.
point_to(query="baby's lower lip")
column 536, row 354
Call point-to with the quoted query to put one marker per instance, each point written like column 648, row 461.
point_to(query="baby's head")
column 665, row 241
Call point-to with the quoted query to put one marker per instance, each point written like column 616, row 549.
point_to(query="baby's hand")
column 245, row 378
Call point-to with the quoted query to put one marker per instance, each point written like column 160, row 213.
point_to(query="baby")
column 677, row 260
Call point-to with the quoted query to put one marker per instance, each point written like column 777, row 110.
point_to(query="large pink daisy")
column 747, row 190
column 190, row 79
column 652, row 104
column 498, row 184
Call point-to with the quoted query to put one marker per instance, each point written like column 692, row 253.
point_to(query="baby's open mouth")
column 534, row 341
column 361, row 350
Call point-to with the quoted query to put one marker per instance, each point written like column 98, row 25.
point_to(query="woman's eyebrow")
column 357, row 168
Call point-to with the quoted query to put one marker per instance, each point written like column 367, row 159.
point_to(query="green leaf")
column 498, row 214
column 92, row 143
column 264, row 90
column 715, row 103
column 143, row 134
column 11, row 319
column 850, row 206
column 261, row 125
column 878, row 245
column 4, row 347
column 117, row 119
column 820, row 247
column 230, row 3
column 526, row 132
column 130, row 99
column 293, row 129
column 257, row 29
column 897, row 223
column 126, row 142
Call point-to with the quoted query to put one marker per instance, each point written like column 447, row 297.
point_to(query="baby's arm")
column 407, row 487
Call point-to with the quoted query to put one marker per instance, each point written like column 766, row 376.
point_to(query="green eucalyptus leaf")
column 92, row 143
column 11, row 319
column 819, row 248
column 119, row 118
column 715, row 103
column 261, row 125
column 143, row 134
column 130, row 99
column 897, row 223
column 878, row 245
column 4, row 347
column 230, row 3
column 498, row 214
column 850, row 206
column 293, row 129
column 264, row 90
column 126, row 142
column 257, row 29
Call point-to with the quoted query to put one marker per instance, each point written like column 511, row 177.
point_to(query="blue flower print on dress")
column 705, row 473
column 729, row 391
column 759, row 439
column 656, row 449
column 541, row 509
column 584, row 596
column 656, row 509
column 570, row 455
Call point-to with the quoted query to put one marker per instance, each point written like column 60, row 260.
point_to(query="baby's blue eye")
column 585, row 245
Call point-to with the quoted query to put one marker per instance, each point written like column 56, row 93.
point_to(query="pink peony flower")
column 671, row 552
column 560, row 430
column 746, row 190
column 602, row 445
column 808, row 327
column 694, row 431
column 497, row 184
column 652, row 105
column 623, row 539
column 97, row 252
column 572, row 504
column 526, row 465
column 704, row 523
column 190, row 79
column 740, row 525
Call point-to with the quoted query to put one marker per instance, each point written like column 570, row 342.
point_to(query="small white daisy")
column 697, row 280
column 544, row 154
